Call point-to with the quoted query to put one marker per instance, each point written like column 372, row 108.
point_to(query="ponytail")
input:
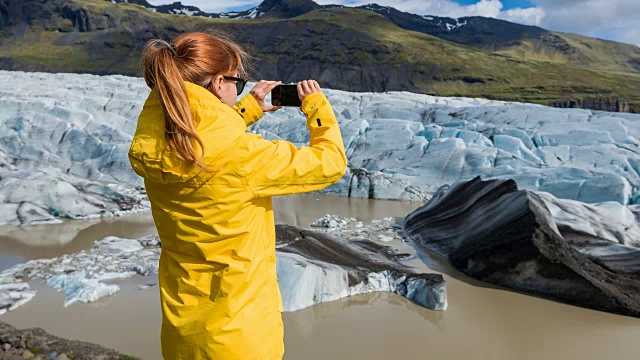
column 193, row 57
column 160, row 70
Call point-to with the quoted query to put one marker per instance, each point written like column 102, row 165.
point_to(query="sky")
column 606, row 19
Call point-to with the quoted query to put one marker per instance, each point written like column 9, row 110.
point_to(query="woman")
column 210, row 185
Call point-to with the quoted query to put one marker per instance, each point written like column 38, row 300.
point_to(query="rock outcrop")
column 602, row 104
column 26, row 343
column 586, row 255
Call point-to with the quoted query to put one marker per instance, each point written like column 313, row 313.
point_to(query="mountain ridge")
column 346, row 48
column 525, row 42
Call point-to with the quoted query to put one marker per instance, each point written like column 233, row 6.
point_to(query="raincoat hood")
column 217, row 124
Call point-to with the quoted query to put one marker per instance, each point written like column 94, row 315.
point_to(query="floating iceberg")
column 14, row 295
column 315, row 267
column 76, row 287
column 80, row 275
column 312, row 267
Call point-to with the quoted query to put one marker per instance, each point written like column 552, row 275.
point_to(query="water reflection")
column 23, row 243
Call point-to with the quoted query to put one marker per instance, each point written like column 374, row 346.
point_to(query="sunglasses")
column 240, row 83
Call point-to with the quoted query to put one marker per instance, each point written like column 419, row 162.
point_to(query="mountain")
column 489, row 34
column 521, row 41
column 267, row 9
column 504, row 37
column 357, row 49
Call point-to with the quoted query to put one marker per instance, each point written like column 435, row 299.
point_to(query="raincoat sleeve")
column 279, row 168
column 249, row 109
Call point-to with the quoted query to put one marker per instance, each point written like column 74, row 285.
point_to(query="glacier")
column 63, row 154
column 417, row 143
column 72, row 128
column 46, row 195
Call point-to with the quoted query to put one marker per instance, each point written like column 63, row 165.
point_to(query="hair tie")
column 173, row 50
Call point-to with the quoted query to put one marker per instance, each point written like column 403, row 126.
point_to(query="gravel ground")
column 37, row 344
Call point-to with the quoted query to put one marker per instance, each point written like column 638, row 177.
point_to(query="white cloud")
column 617, row 20
column 488, row 8
column 529, row 16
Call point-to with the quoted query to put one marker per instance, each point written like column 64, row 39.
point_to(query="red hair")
column 199, row 57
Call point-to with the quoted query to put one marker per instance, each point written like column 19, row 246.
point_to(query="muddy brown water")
column 23, row 243
column 482, row 322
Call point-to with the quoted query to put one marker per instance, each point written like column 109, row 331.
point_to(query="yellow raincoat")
column 217, row 274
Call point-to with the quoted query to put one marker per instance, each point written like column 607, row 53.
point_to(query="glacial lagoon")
column 481, row 322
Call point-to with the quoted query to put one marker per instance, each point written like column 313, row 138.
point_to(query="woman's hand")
column 307, row 87
column 262, row 88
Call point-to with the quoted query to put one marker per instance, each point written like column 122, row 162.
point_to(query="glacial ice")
column 77, row 287
column 331, row 221
column 118, row 245
column 400, row 145
column 45, row 195
column 305, row 278
column 583, row 254
column 14, row 295
column 425, row 142
column 63, row 154
column 80, row 275
column 344, row 260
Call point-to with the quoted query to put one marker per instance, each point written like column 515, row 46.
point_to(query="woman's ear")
column 216, row 86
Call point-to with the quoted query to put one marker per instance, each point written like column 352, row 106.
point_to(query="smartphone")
column 285, row 95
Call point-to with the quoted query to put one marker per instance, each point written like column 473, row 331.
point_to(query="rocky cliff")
column 606, row 104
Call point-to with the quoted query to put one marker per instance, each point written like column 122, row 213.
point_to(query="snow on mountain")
column 456, row 25
column 444, row 23
column 184, row 11
column 400, row 145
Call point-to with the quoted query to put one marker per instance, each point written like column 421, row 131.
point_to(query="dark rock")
column 286, row 8
column 51, row 347
column 14, row 341
column 37, row 342
column 602, row 104
column 495, row 233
